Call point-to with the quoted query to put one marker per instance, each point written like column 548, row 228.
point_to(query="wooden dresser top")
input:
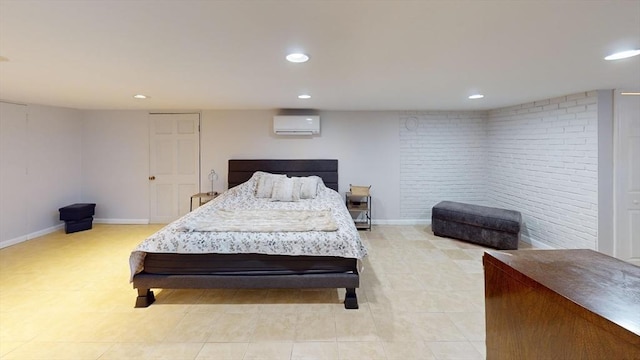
column 599, row 283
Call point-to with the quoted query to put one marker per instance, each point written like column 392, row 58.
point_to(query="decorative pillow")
column 286, row 189
column 264, row 186
column 309, row 186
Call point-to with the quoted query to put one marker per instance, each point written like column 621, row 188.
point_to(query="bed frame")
column 240, row 171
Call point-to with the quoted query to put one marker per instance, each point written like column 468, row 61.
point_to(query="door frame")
column 199, row 154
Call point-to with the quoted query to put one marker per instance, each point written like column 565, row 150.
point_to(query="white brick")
column 577, row 108
column 578, row 96
column 557, row 100
column 568, row 129
column 449, row 156
column 556, row 177
column 567, row 104
column 567, row 117
column 542, row 162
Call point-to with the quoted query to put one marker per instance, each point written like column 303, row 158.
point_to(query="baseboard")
column 122, row 221
column 33, row 235
column 536, row 243
column 541, row 245
column 4, row 244
column 402, row 222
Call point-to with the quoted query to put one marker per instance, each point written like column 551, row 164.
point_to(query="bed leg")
column 145, row 298
column 351, row 299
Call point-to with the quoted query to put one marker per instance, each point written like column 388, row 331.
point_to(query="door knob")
column 152, row 177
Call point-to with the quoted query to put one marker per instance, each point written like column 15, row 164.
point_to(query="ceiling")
column 365, row 55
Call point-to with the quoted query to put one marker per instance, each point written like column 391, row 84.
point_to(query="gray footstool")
column 493, row 227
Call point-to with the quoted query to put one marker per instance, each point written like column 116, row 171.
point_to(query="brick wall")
column 539, row 158
column 543, row 161
column 443, row 158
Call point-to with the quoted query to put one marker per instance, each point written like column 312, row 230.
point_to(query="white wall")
column 115, row 164
column 48, row 150
column 55, row 152
column 443, row 158
column 605, row 172
column 115, row 155
column 625, row 242
column 539, row 158
column 543, row 161
column 14, row 160
column 365, row 144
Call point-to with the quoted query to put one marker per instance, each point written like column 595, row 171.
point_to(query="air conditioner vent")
column 296, row 125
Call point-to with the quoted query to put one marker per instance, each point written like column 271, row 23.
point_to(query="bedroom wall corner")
column 55, row 148
column 442, row 157
column 47, row 142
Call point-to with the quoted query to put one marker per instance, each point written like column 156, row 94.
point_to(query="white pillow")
column 264, row 186
column 309, row 186
column 286, row 189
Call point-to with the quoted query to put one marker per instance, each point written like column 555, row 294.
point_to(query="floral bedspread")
column 173, row 238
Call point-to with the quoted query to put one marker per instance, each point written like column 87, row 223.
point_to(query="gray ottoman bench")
column 493, row 227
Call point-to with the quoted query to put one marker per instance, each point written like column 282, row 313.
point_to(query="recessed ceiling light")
column 140, row 96
column 297, row 58
column 476, row 96
column 304, row 96
column 623, row 54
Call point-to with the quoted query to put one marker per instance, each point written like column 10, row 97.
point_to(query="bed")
column 195, row 252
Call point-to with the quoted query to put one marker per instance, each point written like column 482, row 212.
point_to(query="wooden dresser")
column 561, row 304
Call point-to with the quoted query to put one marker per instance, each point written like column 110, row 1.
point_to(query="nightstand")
column 359, row 207
column 203, row 198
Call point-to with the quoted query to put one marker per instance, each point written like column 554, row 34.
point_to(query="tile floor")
column 67, row 296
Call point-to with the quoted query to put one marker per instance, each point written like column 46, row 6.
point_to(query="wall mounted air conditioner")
column 296, row 124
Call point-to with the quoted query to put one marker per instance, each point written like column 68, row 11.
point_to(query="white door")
column 174, row 164
column 627, row 178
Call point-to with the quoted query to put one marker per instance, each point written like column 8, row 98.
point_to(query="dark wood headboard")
column 241, row 170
